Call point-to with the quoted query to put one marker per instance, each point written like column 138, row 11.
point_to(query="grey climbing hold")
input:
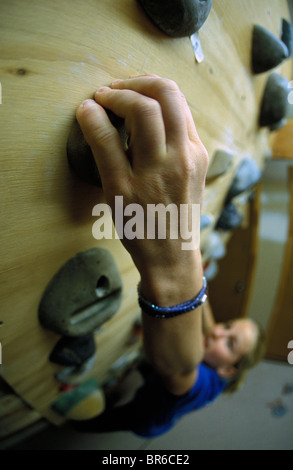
column 178, row 18
column 246, row 176
column 80, row 155
column 268, row 51
column 85, row 293
column 275, row 101
column 230, row 218
column 74, row 375
column 206, row 221
column 221, row 163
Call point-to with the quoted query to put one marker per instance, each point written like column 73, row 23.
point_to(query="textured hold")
column 278, row 125
column 83, row 402
column 275, row 101
column 80, row 155
column 230, row 218
column 75, row 375
column 268, row 50
column 214, row 247
column 85, row 293
column 221, row 162
column 178, row 18
column 246, row 176
column 73, row 351
column 206, row 221
column 287, row 36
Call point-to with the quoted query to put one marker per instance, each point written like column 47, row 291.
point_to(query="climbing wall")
column 54, row 54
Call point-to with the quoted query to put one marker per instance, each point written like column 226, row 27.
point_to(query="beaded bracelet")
column 171, row 312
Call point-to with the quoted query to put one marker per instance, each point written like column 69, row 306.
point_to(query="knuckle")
column 196, row 163
column 102, row 136
column 204, row 156
column 172, row 86
column 146, row 107
column 167, row 85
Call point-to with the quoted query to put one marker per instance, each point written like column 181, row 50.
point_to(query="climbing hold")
column 230, row 218
column 211, row 270
column 85, row 293
column 221, row 162
column 83, row 402
column 79, row 153
column 206, row 220
column 73, row 351
column 178, row 18
column 268, row 50
column 275, row 101
column 246, row 176
column 214, row 247
column 287, row 36
column 74, row 375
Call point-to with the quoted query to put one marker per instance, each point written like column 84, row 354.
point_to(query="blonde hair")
column 248, row 361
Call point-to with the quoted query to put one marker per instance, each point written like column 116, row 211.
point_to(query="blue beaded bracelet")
column 171, row 312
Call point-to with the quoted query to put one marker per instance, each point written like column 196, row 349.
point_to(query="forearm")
column 165, row 164
column 175, row 346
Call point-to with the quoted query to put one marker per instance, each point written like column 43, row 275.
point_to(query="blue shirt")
column 156, row 411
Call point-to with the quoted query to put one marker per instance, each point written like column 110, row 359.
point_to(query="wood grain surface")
column 54, row 54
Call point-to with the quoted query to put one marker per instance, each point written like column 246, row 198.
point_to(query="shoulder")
column 208, row 384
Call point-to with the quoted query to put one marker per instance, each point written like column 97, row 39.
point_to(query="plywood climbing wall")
column 53, row 55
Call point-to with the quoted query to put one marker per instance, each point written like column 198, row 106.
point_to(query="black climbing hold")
column 287, row 36
column 268, row 51
column 73, row 351
column 275, row 101
column 178, row 18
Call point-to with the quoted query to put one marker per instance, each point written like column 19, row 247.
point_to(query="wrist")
column 169, row 285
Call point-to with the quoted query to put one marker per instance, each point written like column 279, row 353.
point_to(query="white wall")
column 273, row 233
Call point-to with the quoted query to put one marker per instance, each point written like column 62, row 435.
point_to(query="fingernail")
column 116, row 82
column 103, row 89
column 86, row 103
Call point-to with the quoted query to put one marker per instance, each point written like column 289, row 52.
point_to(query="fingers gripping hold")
column 103, row 139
